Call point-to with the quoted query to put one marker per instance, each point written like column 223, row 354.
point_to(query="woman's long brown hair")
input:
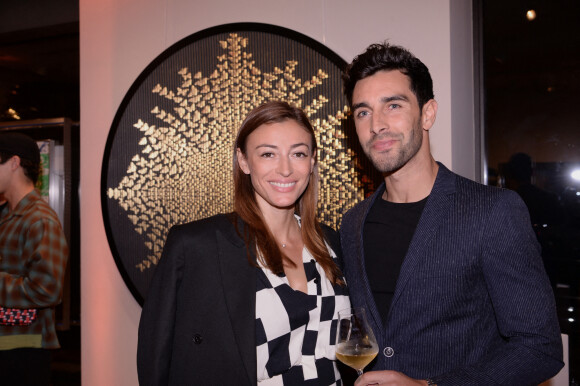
column 257, row 235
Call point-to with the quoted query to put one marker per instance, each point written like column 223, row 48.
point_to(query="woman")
column 251, row 296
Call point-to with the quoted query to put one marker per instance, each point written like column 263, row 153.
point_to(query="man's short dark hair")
column 26, row 148
column 386, row 57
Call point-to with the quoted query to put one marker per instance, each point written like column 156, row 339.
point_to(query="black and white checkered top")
column 295, row 331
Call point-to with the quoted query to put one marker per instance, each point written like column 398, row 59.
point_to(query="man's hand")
column 387, row 377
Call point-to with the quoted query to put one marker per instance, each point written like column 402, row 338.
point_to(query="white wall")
column 119, row 38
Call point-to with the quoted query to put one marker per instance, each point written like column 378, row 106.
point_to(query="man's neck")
column 16, row 194
column 411, row 183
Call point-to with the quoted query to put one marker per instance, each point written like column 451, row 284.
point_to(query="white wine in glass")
column 356, row 345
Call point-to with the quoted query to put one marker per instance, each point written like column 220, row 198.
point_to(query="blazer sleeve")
column 156, row 327
column 523, row 301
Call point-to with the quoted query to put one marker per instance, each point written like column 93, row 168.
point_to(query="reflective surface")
column 532, row 78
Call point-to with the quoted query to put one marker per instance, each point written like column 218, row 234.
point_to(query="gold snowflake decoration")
column 184, row 169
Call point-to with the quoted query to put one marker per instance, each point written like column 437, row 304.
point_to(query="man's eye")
column 362, row 114
column 394, row 106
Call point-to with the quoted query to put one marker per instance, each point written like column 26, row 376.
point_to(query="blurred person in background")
column 33, row 257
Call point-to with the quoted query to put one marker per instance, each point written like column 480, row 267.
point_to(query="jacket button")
column 388, row 352
column 197, row 339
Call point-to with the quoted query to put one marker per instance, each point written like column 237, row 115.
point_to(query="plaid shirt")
column 33, row 255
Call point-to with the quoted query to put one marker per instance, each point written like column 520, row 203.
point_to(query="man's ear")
column 14, row 162
column 242, row 161
column 428, row 114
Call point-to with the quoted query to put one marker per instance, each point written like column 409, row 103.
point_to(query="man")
column 448, row 270
column 33, row 254
column 544, row 206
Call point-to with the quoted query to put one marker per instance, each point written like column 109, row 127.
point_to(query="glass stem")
column 359, row 372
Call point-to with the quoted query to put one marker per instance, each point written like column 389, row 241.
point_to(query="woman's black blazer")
column 198, row 321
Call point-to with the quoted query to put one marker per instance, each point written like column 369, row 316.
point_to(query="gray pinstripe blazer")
column 473, row 304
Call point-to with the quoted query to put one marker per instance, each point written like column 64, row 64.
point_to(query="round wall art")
column 168, row 157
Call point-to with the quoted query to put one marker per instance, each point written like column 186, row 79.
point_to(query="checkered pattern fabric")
column 295, row 331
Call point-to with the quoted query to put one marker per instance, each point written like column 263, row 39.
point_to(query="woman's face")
column 279, row 159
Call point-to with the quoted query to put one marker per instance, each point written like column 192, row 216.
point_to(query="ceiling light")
column 12, row 113
column 531, row 15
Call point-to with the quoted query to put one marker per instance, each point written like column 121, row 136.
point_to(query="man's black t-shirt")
column 388, row 230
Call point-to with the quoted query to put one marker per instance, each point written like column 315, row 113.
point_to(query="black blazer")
column 198, row 322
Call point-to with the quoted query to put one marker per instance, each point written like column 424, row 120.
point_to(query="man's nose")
column 378, row 123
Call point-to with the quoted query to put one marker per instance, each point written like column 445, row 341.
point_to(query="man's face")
column 387, row 119
column 5, row 175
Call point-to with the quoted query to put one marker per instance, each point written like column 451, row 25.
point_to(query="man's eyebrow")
column 398, row 97
column 359, row 105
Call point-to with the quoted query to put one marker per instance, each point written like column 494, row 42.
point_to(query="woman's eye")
column 300, row 154
column 267, row 155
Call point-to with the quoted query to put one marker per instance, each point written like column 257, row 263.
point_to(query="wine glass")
column 356, row 345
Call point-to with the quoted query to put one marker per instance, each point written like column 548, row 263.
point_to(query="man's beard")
column 393, row 159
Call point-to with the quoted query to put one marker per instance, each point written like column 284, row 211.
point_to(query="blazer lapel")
column 239, row 284
column 437, row 206
column 371, row 307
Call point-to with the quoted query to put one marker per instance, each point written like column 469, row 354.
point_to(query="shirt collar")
column 31, row 197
